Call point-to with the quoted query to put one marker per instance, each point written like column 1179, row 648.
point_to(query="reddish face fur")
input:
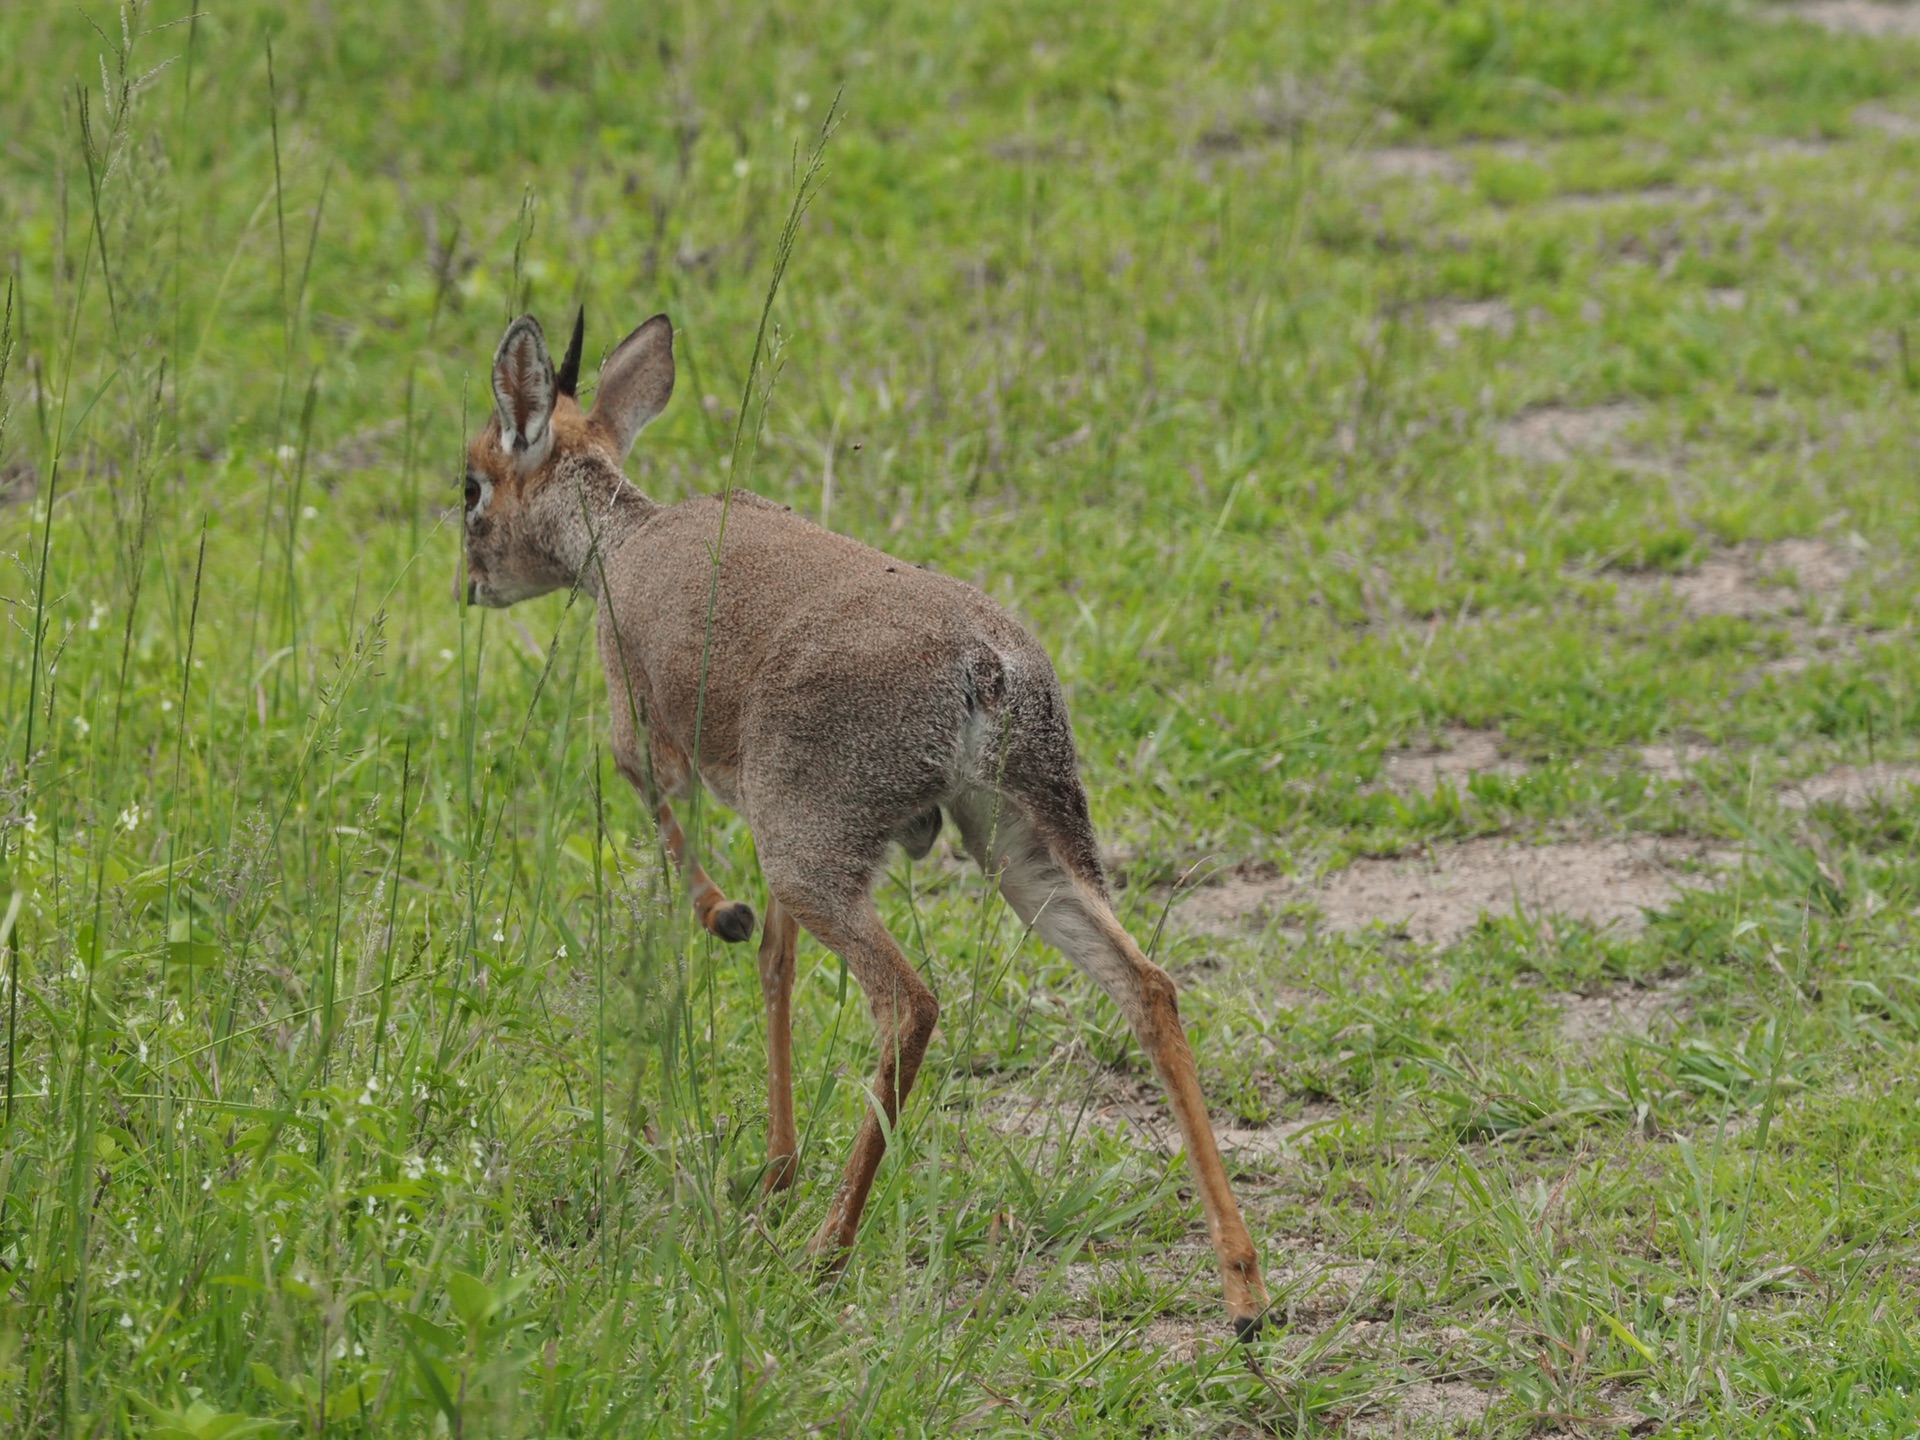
column 507, row 560
column 530, row 470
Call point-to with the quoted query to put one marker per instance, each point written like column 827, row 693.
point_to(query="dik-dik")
column 841, row 701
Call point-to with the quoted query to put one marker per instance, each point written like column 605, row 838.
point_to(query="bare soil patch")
column 1453, row 319
column 1312, row 1289
column 1723, row 585
column 1675, row 761
column 1438, row 896
column 1758, row 582
column 1238, row 904
column 1415, row 162
column 1179, row 1337
column 1625, row 1009
column 1427, row 1408
column 1456, row 756
column 1791, row 147
column 1892, row 123
column 1579, row 200
column 1139, row 1116
column 1554, row 434
column 1851, row 785
column 1853, row 17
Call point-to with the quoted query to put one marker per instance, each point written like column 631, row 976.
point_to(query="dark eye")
column 473, row 492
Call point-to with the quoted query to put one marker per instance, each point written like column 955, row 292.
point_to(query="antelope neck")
column 589, row 505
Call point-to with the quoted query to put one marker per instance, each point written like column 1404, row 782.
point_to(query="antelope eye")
column 473, row 492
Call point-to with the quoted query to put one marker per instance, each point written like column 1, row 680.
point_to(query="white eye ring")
column 479, row 507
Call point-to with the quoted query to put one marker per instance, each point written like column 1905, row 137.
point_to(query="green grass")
column 363, row 1074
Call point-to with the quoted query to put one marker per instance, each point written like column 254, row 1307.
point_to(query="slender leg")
column 778, row 945
column 1072, row 915
column 1154, row 1014
column 731, row 920
column 904, row 1012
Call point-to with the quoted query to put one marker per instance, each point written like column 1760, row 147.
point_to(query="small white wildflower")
column 33, row 822
column 126, row 1321
column 446, row 654
column 130, row 817
column 287, row 453
column 206, row 1185
column 165, row 706
column 561, row 953
column 80, row 725
column 800, row 101
column 414, row 1167
column 99, row 614
column 499, row 931
column 741, row 167
column 143, row 1052
column 307, row 512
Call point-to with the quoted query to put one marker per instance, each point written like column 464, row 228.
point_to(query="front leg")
column 731, row 920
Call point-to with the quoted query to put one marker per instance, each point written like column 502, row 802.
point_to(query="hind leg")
column 842, row 917
column 1072, row 914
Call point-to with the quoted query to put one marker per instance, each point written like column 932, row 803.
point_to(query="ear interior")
column 524, row 390
column 635, row 383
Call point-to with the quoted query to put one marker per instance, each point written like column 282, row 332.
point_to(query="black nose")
column 473, row 591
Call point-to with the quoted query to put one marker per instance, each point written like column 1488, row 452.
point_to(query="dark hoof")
column 734, row 923
column 1246, row 1327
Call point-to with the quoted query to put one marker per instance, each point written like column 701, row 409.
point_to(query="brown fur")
column 840, row 700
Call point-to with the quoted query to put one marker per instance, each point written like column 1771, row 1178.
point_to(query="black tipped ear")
column 569, row 377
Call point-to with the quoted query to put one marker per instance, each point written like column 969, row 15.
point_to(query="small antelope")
column 837, row 698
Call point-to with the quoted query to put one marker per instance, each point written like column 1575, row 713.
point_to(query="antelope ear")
column 523, row 392
column 635, row 383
